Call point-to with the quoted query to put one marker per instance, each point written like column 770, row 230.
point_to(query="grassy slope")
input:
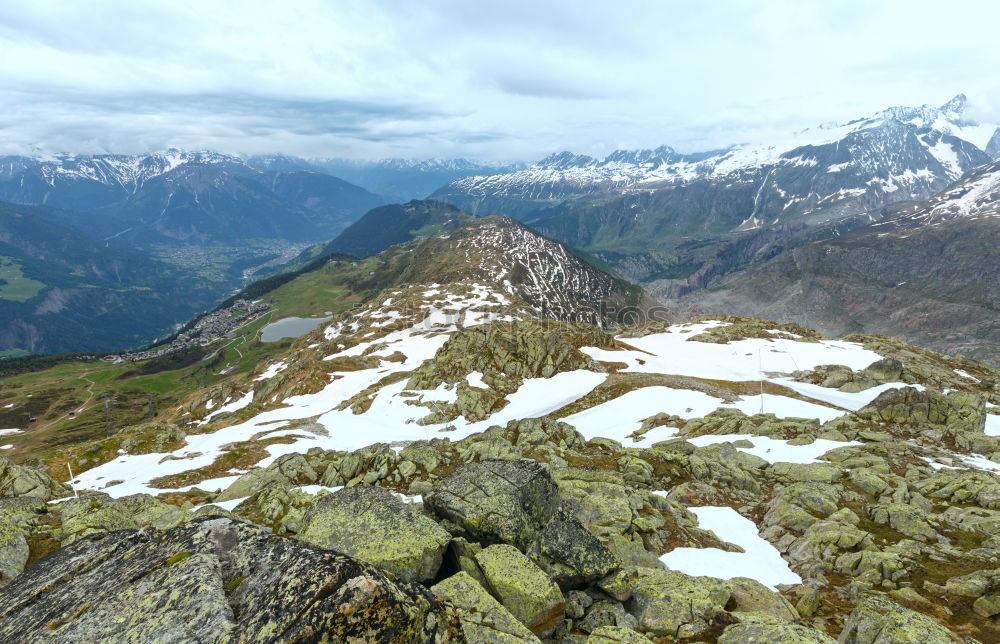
column 50, row 394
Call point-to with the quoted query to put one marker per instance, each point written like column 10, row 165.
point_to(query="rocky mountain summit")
column 467, row 456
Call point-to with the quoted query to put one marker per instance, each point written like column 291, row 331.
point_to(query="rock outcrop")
column 215, row 580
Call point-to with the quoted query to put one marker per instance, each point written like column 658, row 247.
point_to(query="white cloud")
column 484, row 80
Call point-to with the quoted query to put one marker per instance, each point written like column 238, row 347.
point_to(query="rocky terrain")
column 468, row 457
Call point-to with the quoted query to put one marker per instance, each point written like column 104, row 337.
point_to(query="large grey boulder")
column 214, row 580
column 374, row 525
column 497, row 501
column 518, row 503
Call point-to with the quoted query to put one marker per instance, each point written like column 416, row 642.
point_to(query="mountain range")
column 700, row 232
column 693, row 228
column 396, row 179
column 466, row 449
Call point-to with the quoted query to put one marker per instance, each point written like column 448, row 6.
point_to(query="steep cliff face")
column 926, row 273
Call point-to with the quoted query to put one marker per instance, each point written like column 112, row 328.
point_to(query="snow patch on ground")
column 618, row 418
column 761, row 561
column 992, row 425
column 843, row 399
column 670, row 352
column 785, row 407
column 235, row 405
column 271, row 371
column 8, row 432
column 774, row 450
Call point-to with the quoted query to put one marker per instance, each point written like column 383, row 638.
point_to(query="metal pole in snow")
column 72, row 487
column 760, row 370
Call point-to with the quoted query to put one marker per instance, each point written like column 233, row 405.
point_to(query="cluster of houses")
column 208, row 329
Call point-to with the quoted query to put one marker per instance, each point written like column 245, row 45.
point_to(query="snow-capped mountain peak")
column 900, row 153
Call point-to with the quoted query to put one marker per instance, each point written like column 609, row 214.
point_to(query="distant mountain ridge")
column 188, row 197
column 821, row 172
column 925, row 272
column 399, row 179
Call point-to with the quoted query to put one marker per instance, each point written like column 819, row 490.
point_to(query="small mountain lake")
column 290, row 328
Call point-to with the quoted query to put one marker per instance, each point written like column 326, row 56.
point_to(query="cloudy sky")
column 506, row 80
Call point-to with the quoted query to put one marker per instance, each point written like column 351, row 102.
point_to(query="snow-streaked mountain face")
column 129, row 172
column 897, row 154
column 976, row 195
column 535, row 270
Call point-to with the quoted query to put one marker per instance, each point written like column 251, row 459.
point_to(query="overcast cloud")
column 503, row 80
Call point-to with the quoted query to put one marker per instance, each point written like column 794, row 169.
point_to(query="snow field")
column 760, row 561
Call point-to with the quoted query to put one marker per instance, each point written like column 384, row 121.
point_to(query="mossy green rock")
column 101, row 513
column 876, row 620
column 670, row 603
column 522, row 588
column 374, row 525
column 762, row 630
column 484, row 619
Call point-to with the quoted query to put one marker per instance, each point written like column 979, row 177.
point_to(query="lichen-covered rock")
column 101, row 513
column 876, row 620
column 725, row 466
column 616, row 635
column 155, row 437
column 963, row 487
column 884, row 370
column 277, row 507
column 770, row 631
column 522, row 588
column 508, row 353
column 906, row 519
column 750, row 596
column 818, row 547
column 496, row 501
column 517, row 503
column 368, row 465
column 607, row 613
column 287, row 471
column 22, row 480
column 374, row 525
column 801, row 472
column 669, row 603
column 956, row 412
column 571, row 555
column 214, row 580
column 14, row 551
column 484, row 620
